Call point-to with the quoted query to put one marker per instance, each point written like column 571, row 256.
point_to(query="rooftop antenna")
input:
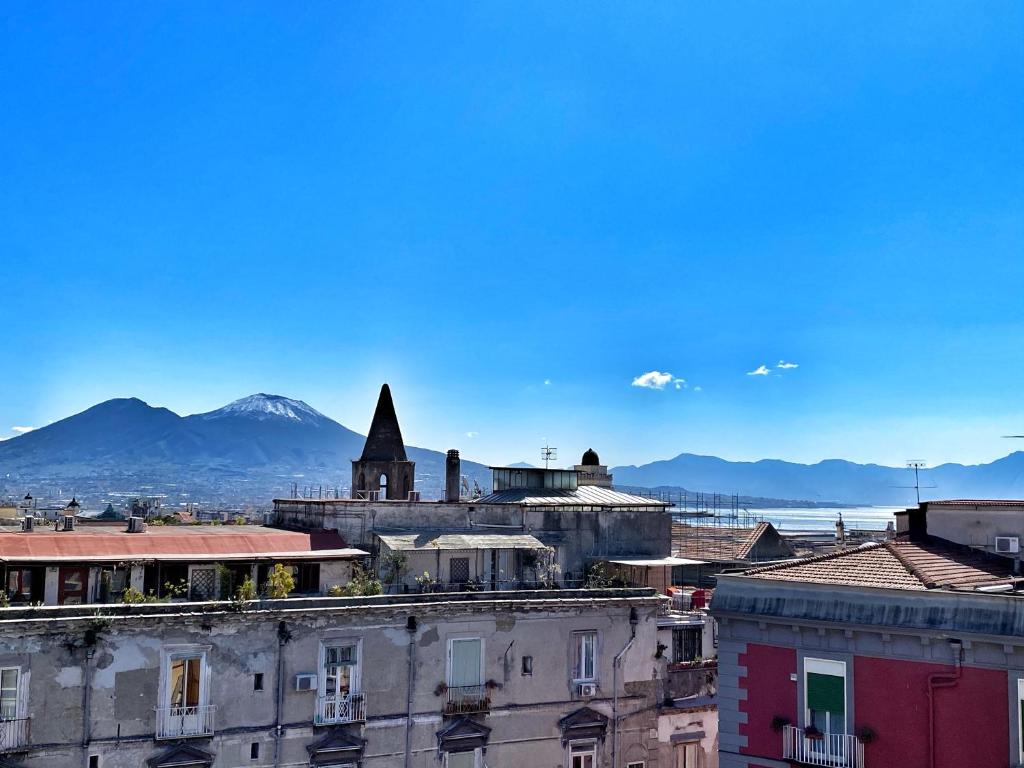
column 917, row 465
column 548, row 454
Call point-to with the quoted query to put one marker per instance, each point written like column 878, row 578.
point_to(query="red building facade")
column 906, row 654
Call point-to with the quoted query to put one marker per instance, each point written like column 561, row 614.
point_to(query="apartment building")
column 564, row 678
column 908, row 652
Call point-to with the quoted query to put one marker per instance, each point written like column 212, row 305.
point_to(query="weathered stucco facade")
column 102, row 681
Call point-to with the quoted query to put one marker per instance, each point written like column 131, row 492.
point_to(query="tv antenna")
column 917, row 465
column 548, row 454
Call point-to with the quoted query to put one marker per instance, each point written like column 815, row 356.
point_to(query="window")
column 112, row 584
column 184, row 708
column 686, row 642
column 636, row 764
column 203, row 584
column 585, row 663
column 1020, row 719
column 470, row 759
column 94, row 761
column 583, row 754
column 9, row 677
column 257, row 681
column 527, row 665
column 465, row 662
column 459, row 570
column 688, row 755
column 338, row 699
column 19, row 584
column 825, row 695
column 254, row 751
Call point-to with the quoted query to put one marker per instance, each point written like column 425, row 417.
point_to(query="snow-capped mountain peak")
column 263, row 407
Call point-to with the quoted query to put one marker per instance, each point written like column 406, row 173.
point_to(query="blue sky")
column 511, row 211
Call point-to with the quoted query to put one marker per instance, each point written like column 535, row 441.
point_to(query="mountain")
column 248, row 451
column 833, row 480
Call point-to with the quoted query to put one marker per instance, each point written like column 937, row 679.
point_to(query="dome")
column 74, row 503
column 590, row 459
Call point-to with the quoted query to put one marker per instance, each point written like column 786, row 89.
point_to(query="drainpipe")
column 410, row 627
column 940, row 680
column 633, row 621
column 283, row 636
column 87, row 704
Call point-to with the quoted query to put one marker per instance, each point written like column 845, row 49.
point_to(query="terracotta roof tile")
column 897, row 564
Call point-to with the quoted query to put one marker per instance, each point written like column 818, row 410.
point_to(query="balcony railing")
column 14, row 734
column 837, row 750
column 465, row 699
column 340, row 708
column 182, row 722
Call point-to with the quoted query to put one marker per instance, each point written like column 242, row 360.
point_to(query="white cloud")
column 547, row 382
column 698, row 388
column 761, row 370
column 472, row 434
column 658, row 380
column 785, row 366
column 22, row 430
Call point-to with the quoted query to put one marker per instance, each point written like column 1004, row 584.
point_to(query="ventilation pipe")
column 941, row 680
column 634, row 619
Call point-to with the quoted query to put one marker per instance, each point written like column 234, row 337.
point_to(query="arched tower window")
column 383, row 485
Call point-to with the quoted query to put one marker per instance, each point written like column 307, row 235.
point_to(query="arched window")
column 362, row 482
column 383, row 485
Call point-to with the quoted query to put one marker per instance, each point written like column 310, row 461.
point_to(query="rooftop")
column 198, row 542
column 708, row 542
column 458, row 541
column 898, row 564
column 585, row 495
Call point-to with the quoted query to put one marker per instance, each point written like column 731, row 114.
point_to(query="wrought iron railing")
column 340, row 708
column 14, row 733
column 180, row 722
column 465, row 699
column 836, row 750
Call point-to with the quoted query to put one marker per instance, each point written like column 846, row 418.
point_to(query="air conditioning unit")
column 136, row 525
column 28, row 523
column 305, row 682
column 587, row 690
column 373, row 495
column 414, row 495
column 69, row 522
column 1007, row 545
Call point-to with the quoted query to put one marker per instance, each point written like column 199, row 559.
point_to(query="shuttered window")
column 826, row 693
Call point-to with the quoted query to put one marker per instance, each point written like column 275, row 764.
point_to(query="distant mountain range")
column 256, row 448
column 259, row 446
column 834, row 480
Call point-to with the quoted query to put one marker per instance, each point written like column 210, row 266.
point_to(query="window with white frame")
column 184, row 694
column 825, row 695
column 465, row 662
column 470, row 759
column 338, row 699
column 583, row 754
column 585, row 659
column 9, row 680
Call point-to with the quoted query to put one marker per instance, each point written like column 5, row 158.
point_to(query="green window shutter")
column 825, row 693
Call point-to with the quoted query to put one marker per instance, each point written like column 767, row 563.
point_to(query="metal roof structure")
column 585, row 495
column 102, row 543
column 431, row 540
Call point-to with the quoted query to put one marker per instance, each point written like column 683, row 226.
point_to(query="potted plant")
column 865, row 734
column 813, row 733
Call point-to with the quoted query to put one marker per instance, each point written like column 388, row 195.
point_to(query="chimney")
column 840, row 531
column 452, row 476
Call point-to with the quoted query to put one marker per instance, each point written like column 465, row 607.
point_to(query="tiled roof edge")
column 813, row 559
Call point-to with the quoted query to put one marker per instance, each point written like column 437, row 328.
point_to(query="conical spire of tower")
column 384, row 441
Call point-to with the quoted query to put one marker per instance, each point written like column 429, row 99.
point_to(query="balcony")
column 340, row 708
column 184, row 722
column 467, row 699
column 14, row 734
column 837, row 750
